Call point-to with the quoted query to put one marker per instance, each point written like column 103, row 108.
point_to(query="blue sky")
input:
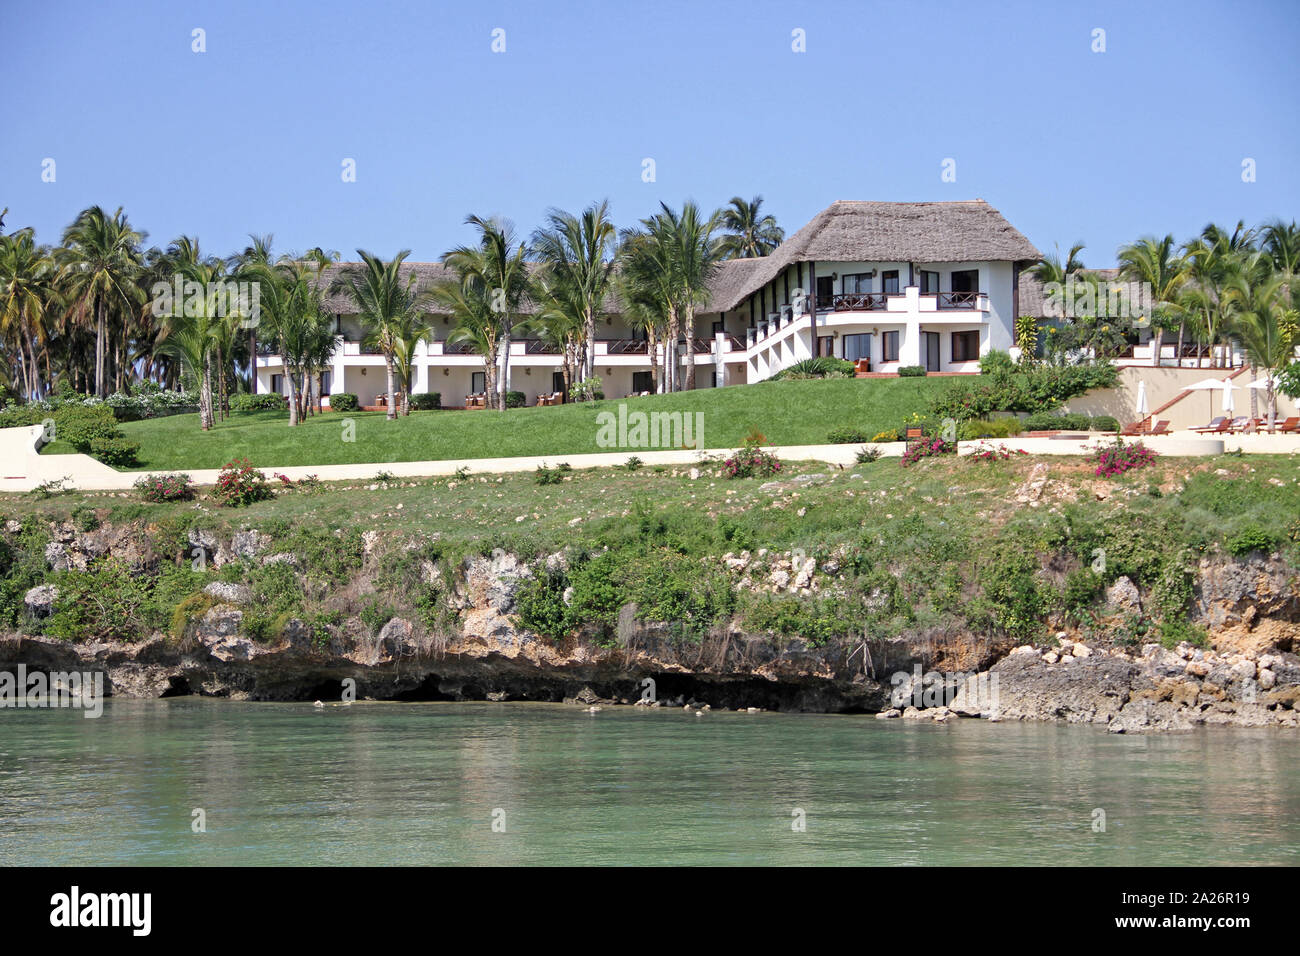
column 250, row 136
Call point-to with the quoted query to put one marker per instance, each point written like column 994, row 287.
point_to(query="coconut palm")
column 386, row 303
column 578, row 252
column 468, row 303
column 1256, row 303
column 497, row 263
column 1156, row 263
column 101, row 261
column 749, row 233
column 643, row 288
column 28, row 296
column 294, row 316
column 692, row 256
column 560, row 322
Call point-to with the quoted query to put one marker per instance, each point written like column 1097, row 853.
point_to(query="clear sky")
column 251, row 135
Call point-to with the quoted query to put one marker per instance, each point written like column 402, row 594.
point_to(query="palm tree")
column 692, row 259
column 101, row 261
column 1154, row 262
column 1282, row 245
column 28, row 294
column 644, row 290
column 579, row 254
column 386, row 304
column 749, row 233
column 1256, row 300
column 468, row 303
column 410, row 334
column 498, row 262
column 560, row 322
column 295, row 317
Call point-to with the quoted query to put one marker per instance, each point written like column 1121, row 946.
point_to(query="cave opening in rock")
column 178, row 685
column 427, row 689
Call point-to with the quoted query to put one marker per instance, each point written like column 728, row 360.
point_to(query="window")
column 642, row 382
column 858, row 282
column 326, row 378
column 966, row 280
column 557, row 382
column 277, row 385
column 476, row 380
column 930, row 350
column 965, row 346
column 889, row 347
column 825, row 291
column 825, row 345
column 718, row 327
column 857, row 347
column 889, row 282
column 929, row 283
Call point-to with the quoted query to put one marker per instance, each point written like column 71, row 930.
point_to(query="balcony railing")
column 958, row 300
column 852, row 302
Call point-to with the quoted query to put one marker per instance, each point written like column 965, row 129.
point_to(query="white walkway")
column 24, row 468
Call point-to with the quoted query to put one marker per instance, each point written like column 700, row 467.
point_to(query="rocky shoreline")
column 1248, row 676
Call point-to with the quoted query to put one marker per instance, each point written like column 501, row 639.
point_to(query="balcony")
column 853, row 302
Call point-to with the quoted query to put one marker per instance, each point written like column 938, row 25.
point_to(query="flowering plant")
column 1118, row 458
column 995, row 453
column 241, row 484
column 927, row 448
column 751, row 461
column 160, row 488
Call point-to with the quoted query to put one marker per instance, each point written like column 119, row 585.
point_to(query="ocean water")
column 516, row 783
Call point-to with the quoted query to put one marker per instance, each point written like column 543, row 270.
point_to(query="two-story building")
column 884, row 284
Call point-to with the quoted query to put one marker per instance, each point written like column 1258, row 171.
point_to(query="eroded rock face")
column 39, row 601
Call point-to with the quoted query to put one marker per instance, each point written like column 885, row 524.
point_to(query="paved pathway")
column 24, row 468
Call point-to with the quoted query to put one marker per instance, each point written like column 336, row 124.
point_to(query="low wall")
column 1164, row 384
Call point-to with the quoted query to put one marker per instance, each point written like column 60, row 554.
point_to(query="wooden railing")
column 957, row 300
column 852, row 302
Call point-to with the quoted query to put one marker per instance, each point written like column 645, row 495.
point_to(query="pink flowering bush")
column 161, row 488
column 241, row 484
column 995, row 453
column 751, row 461
column 927, row 448
column 1118, row 458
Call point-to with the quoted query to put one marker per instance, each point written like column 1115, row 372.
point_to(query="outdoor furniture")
column 555, row 398
column 1290, row 425
column 476, row 401
column 1240, row 425
column 1138, row 427
column 1219, row 424
column 1162, row 428
column 861, row 366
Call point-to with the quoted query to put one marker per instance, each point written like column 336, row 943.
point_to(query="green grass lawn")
column 787, row 413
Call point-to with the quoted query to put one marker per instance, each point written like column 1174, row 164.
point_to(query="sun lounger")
column 1162, row 428
column 1219, row 424
column 1290, row 425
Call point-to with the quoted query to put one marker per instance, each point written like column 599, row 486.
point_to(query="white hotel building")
column 934, row 284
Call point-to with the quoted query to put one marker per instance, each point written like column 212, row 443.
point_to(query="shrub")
column 105, row 602
column 633, row 463
column 751, row 461
column 867, row 454
column 344, row 402
column 426, row 401
column 1104, row 423
column 245, row 402
column 823, row 366
column 927, row 448
column 846, row 436
column 1175, row 631
column 1119, row 458
column 588, row 390
column 515, row 399
column 240, row 484
column 161, row 488
column 1251, row 538
column 911, row 371
column 983, row 428
column 987, row 453
column 995, row 362
column 79, row 425
column 888, row 434
column 85, row 518
column 116, row 452
column 546, row 476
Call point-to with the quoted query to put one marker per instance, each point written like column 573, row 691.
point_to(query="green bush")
column 161, row 488
column 547, row 476
column 911, row 371
column 515, row 399
column 105, row 602
column 1175, row 631
column 822, row 366
column 245, row 402
column 996, row 361
column 846, row 436
column 1252, row 538
column 980, row 428
column 240, row 484
column 426, row 401
column 79, row 425
column 344, row 402
column 116, row 452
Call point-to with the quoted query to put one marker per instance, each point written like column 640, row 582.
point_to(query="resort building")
column 882, row 284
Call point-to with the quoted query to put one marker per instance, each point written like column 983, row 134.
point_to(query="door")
column 889, row 282
column 825, row 291
column 557, row 382
column 476, row 380
column 642, row 382
column 930, row 350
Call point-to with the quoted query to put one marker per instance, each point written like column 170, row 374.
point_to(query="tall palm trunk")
column 392, row 395
column 503, row 385
column 294, row 409
column 205, row 394
column 690, row 347
column 589, row 333
column 99, row 347
column 1157, row 342
column 1178, row 357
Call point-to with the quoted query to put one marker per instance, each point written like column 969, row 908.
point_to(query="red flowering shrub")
column 927, row 448
column 1118, row 458
column 160, row 488
column 995, row 453
column 751, row 461
column 241, row 484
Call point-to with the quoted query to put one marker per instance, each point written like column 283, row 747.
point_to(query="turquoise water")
column 388, row 783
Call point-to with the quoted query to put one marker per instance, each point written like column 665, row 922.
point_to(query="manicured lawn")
column 786, row 413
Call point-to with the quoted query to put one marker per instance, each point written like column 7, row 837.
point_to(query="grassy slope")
column 787, row 413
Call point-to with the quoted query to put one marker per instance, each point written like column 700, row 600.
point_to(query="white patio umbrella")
column 1262, row 385
column 1142, row 409
column 1213, row 385
column 1227, row 397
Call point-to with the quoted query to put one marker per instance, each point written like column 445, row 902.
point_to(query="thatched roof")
column 850, row 231
column 1033, row 299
